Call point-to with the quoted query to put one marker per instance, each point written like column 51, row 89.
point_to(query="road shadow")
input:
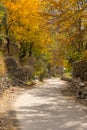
column 49, row 109
column 8, row 121
column 46, row 108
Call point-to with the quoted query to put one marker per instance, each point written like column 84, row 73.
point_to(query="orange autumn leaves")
column 23, row 17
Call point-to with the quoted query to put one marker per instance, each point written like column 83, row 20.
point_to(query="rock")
column 79, row 88
column 4, row 83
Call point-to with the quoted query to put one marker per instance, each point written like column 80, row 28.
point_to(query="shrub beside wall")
column 80, row 70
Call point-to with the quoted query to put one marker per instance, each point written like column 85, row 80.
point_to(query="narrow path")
column 46, row 108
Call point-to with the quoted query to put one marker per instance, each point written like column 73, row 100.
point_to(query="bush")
column 84, row 56
column 24, row 73
column 40, row 69
column 11, row 64
column 17, row 73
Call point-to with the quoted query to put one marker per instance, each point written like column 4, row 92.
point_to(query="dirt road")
column 46, row 108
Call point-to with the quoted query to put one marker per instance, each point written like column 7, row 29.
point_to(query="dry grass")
column 2, row 65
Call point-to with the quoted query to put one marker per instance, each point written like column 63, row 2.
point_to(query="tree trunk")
column 86, row 46
column 8, row 45
column 30, row 49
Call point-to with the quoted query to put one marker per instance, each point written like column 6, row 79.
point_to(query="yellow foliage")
column 84, row 56
column 22, row 16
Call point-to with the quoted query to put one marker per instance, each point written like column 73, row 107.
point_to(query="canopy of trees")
column 52, row 31
column 68, row 19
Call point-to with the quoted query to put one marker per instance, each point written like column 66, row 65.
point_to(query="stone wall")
column 14, row 75
column 17, row 73
column 79, row 80
column 79, row 87
column 4, row 83
column 80, row 70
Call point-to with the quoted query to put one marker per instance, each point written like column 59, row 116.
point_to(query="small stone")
column 82, row 84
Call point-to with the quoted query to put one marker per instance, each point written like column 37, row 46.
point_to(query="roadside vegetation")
column 43, row 36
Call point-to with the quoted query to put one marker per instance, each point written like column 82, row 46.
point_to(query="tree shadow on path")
column 48, row 109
